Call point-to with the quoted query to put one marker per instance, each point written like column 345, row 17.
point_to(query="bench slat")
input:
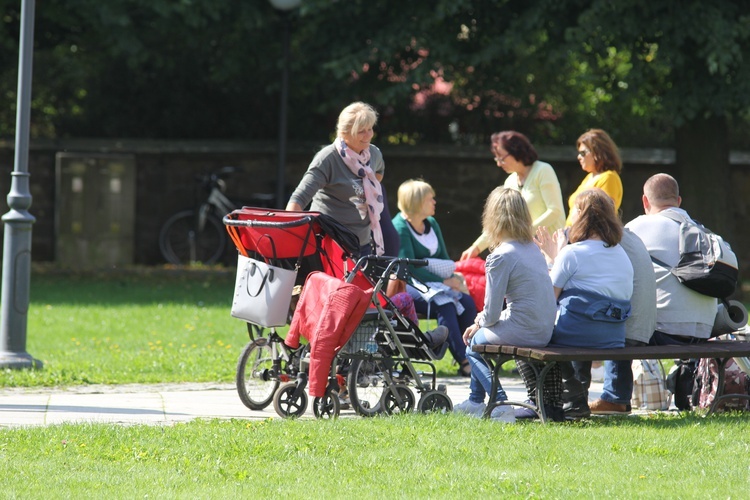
column 712, row 349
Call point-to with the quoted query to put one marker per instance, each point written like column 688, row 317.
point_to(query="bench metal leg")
column 495, row 368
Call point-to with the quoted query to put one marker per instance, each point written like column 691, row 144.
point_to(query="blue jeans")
column 448, row 316
column 618, row 378
column 481, row 375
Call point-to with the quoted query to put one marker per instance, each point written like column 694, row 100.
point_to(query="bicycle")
column 198, row 235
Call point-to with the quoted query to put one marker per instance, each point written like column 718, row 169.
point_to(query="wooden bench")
column 497, row 355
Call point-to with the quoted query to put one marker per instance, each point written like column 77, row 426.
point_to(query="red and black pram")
column 360, row 347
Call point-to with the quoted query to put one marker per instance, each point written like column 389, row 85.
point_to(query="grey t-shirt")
column 517, row 273
column 334, row 190
column 679, row 310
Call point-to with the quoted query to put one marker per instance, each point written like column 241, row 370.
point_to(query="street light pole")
column 18, row 221
column 284, row 7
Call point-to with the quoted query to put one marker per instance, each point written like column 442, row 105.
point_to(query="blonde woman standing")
column 343, row 179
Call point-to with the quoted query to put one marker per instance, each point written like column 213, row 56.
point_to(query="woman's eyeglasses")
column 501, row 159
column 582, row 153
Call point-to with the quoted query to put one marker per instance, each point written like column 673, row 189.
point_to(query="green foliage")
column 203, row 69
column 414, row 456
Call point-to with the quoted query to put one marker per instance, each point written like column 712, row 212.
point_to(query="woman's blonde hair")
column 596, row 217
column 506, row 217
column 355, row 117
column 411, row 195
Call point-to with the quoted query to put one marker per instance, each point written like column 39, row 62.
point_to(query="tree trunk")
column 702, row 158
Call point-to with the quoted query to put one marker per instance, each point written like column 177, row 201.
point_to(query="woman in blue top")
column 592, row 279
column 421, row 238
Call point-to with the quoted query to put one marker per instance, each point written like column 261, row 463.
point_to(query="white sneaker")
column 470, row 408
column 504, row 414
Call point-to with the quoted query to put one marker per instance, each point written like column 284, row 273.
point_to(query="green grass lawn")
column 408, row 456
column 152, row 326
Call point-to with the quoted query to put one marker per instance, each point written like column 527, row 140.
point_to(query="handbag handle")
column 266, row 277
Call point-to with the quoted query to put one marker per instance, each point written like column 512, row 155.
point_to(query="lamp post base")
column 19, row 361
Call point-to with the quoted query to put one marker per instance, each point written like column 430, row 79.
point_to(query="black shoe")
column 576, row 409
column 554, row 414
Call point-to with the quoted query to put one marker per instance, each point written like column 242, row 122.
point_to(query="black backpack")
column 707, row 263
column 681, row 383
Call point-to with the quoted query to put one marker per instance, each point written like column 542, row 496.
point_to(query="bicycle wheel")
column 255, row 383
column 365, row 384
column 181, row 242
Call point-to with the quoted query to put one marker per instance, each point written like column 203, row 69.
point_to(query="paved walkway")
column 166, row 403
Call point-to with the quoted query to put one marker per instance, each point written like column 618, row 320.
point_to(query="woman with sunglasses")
column 600, row 159
column 534, row 179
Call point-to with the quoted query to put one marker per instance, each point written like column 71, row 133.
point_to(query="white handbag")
column 262, row 292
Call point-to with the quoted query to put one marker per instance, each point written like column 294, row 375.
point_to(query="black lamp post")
column 18, row 221
column 284, row 7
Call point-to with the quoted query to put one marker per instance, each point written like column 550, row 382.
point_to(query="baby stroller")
column 269, row 370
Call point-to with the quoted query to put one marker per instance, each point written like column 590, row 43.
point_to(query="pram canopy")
column 312, row 240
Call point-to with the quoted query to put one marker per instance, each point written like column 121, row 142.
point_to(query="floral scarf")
column 359, row 164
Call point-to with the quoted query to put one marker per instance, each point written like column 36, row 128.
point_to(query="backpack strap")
column 660, row 263
column 679, row 218
column 672, row 215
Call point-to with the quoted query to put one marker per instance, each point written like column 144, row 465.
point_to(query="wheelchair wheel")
column 286, row 404
column 256, row 383
column 391, row 404
column 434, row 402
column 365, row 385
column 328, row 406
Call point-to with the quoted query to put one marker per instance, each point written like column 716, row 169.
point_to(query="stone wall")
column 462, row 178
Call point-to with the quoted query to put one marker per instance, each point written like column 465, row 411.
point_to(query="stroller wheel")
column 328, row 406
column 435, row 402
column 400, row 402
column 287, row 404
column 255, row 381
column 365, row 386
